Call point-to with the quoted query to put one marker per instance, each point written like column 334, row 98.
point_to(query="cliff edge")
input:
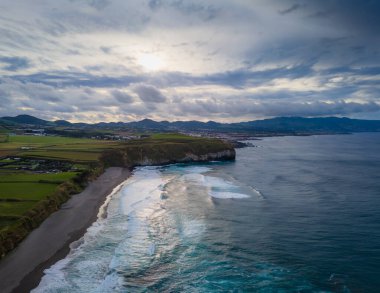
column 157, row 151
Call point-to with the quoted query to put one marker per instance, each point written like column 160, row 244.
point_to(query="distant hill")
column 318, row 125
column 27, row 119
column 280, row 125
column 62, row 123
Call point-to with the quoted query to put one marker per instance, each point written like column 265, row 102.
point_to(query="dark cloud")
column 319, row 14
column 154, row 4
column 349, row 80
column 149, row 93
column 99, row 4
column 292, row 8
column 354, row 15
column 317, row 108
column 14, row 63
column 106, row 50
column 49, row 97
column 205, row 12
column 279, row 108
column 76, row 79
column 244, row 77
column 235, row 78
column 122, row 97
column 73, row 52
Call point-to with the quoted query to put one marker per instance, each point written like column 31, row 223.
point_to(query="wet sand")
column 22, row 269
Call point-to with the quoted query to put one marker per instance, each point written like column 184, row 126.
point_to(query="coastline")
column 22, row 269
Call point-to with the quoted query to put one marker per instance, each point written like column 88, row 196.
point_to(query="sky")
column 220, row 60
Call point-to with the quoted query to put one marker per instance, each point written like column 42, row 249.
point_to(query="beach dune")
column 22, row 269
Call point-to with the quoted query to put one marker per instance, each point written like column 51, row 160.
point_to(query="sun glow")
column 150, row 62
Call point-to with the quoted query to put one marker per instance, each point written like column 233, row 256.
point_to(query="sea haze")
column 297, row 214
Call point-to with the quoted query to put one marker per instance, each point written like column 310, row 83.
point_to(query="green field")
column 12, row 211
column 75, row 156
column 20, row 189
column 29, row 177
column 3, row 130
column 46, row 140
column 3, row 138
column 26, row 190
column 55, row 147
column 172, row 136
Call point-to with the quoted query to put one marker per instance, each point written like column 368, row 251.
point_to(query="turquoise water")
column 294, row 214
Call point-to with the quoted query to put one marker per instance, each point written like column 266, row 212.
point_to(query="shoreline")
column 22, row 269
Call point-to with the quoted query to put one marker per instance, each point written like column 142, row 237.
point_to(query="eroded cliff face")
column 167, row 154
column 218, row 156
column 226, row 155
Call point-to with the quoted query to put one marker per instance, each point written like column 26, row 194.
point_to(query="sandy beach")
column 22, row 269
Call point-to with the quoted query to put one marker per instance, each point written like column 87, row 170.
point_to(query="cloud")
column 204, row 12
column 154, row 4
column 105, row 50
column 221, row 59
column 149, row 93
column 76, row 78
column 319, row 108
column 99, row 4
column 350, row 14
column 280, row 108
column 292, row 8
column 14, row 63
column 122, row 97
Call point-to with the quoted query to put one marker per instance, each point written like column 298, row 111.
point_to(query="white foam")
column 146, row 186
column 197, row 169
column 218, row 182
column 92, row 261
column 225, row 195
column 111, row 283
column 217, row 187
column 196, row 178
column 102, row 210
column 257, row 192
column 53, row 279
column 223, row 189
column 192, row 228
column 189, row 169
column 152, row 249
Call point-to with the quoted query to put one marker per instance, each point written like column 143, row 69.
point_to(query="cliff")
column 151, row 152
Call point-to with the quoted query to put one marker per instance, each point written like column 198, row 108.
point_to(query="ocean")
column 292, row 214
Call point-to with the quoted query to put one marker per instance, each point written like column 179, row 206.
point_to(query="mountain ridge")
column 276, row 125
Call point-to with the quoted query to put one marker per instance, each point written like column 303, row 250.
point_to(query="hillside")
column 26, row 119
